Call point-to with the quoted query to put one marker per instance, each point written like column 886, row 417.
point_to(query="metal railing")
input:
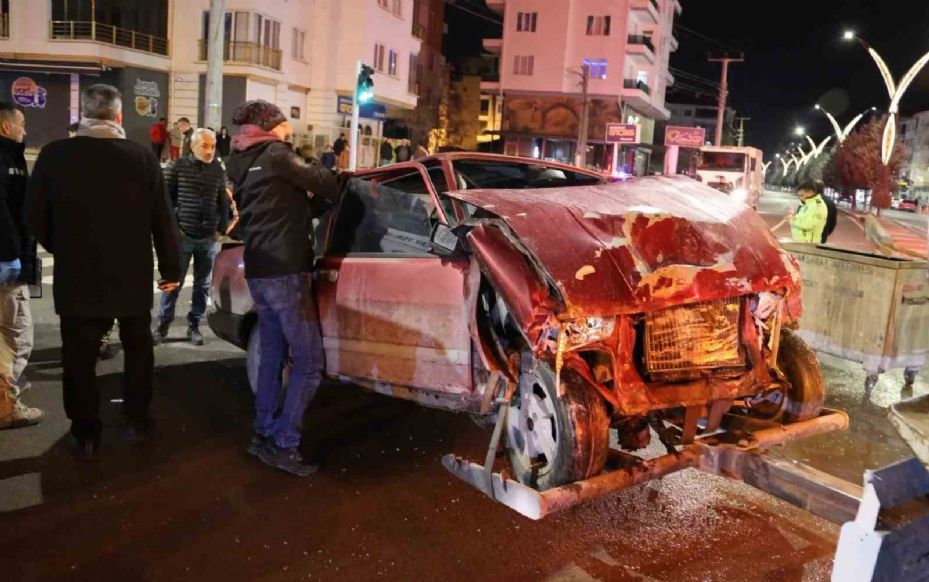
column 249, row 53
column 642, row 40
column 107, row 34
column 636, row 84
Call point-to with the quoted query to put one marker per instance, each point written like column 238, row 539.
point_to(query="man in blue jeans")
column 196, row 186
column 278, row 194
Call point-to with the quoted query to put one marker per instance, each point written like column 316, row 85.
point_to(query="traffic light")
column 364, row 93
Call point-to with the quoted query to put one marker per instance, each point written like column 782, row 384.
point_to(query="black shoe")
column 194, row 335
column 139, row 433
column 85, row 449
column 289, row 460
column 257, row 443
column 161, row 332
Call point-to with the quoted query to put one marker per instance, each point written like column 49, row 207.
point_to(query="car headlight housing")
column 587, row 330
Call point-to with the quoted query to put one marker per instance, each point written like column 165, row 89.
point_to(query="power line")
column 704, row 37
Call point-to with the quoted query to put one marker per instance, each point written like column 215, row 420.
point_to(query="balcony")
column 247, row 53
column 646, row 12
column 493, row 45
column 636, row 85
column 106, row 34
column 641, row 47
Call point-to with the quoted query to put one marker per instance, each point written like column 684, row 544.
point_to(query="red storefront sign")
column 622, row 133
column 685, row 137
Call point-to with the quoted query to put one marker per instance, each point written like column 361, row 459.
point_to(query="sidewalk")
column 891, row 235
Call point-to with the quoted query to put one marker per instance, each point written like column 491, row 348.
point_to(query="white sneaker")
column 22, row 416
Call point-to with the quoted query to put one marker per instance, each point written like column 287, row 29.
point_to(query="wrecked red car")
column 656, row 307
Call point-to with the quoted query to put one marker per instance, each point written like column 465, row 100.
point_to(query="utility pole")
column 741, row 131
column 580, row 157
column 723, row 94
column 356, row 121
column 214, row 65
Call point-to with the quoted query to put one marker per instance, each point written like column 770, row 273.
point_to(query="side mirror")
column 443, row 241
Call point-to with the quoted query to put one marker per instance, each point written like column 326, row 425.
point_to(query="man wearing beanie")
column 278, row 195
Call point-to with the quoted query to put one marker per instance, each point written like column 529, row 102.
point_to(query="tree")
column 857, row 164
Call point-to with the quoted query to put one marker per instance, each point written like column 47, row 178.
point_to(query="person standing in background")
column 223, row 143
column 158, row 135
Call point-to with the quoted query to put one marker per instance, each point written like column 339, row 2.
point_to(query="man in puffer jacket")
column 196, row 186
column 278, row 194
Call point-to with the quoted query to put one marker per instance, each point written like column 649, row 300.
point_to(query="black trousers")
column 80, row 344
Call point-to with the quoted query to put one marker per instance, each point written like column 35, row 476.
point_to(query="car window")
column 390, row 214
column 472, row 174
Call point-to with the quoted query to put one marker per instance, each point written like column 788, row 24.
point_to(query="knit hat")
column 259, row 112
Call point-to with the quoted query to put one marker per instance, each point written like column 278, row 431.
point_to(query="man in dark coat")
column 278, row 195
column 100, row 225
column 187, row 132
column 17, row 272
column 197, row 189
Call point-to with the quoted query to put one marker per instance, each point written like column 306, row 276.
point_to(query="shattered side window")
column 476, row 174
column 391, row 217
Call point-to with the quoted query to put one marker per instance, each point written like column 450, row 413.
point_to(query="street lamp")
column 895, row 90
column 799, row 131
column 841, row 133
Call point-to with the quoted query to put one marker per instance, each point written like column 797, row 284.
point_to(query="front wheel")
column 551, row 441
column 803, row 398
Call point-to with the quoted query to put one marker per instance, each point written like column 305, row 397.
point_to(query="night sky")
column 794, row 53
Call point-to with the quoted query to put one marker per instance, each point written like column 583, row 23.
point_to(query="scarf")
column 102, row 128
column 250, row 135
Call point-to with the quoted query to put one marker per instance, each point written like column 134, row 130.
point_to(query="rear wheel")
column 552, row 441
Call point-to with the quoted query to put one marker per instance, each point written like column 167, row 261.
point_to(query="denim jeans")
column 203, row 251
column 287, row 318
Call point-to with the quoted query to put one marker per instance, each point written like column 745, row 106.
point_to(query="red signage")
column 622, row 133
column 685, row 137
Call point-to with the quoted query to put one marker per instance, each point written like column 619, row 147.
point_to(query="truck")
column 737, row 171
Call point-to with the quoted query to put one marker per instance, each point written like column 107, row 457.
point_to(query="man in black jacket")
column 278, row 194
column 17, row 272
column 197, row 188
column 100, row 226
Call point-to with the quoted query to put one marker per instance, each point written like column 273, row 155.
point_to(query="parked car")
column 652, row 303
column 907, row 205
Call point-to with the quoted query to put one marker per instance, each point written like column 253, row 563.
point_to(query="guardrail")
column 249, row 53
column 104, row 33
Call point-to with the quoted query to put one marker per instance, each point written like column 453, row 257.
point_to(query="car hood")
column 633, row 246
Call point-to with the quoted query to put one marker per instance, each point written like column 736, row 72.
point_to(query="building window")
column 413, row 79
column 385, row 4
column 379, row 57
column 397, row 7
column 392, row 63
column 596, row 68
column 249, row 38
column 523, row 65
column 598, row 26
column 299, row 40
column 526, row 21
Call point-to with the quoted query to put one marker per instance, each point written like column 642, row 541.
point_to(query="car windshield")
column 723, row 161
column 474, row 174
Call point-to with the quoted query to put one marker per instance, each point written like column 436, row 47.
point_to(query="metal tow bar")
column 736, row 453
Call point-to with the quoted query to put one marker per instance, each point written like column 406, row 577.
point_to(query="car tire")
column 573, row 429
column 253, row 361
column 800, row 366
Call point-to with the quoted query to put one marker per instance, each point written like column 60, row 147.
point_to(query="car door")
column 392, row 312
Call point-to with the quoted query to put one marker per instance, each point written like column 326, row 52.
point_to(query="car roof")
column 477, row 156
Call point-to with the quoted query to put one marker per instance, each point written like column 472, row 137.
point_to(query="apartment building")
column 300, row 54
column 625, row 46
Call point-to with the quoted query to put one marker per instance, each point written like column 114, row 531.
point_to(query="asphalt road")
column 193, row 505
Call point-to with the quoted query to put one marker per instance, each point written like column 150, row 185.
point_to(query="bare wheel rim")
column 766, row 405
column 532, row 427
